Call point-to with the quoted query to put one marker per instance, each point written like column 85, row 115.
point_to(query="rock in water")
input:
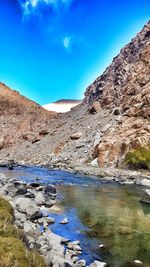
column 64, row 221
column 50, row 190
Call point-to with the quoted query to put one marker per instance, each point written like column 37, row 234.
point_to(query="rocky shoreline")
column 122, row 176
column 32, row 205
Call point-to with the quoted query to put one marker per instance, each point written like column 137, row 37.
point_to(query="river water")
column 99, row 213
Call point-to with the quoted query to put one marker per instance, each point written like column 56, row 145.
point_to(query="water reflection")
column 115, row 217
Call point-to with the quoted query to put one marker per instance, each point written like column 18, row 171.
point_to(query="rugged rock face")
column 20, row 118
column 113, row 118
column 124, row 88
column 125, row 78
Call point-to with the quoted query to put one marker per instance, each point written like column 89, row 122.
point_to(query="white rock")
column 64, row 221
column 101, row 246
column 145, row 182
column 98, row 264
column 94, row 163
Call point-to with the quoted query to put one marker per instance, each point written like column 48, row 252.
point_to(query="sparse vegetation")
column 138, row 158
column 13, row 252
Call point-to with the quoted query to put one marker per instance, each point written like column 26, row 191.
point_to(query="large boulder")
column 28, row 207
column 55, row 256
column 95, row 108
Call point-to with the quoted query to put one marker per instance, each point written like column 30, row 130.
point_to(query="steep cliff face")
column 20, row 118
column 124, row 88
column 126, row 78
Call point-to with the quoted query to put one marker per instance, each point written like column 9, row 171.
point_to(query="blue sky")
column 53, row 49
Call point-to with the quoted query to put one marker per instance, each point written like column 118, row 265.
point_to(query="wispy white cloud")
column 30, row 7
column 50, row 24
column 73, row 42
column 67, row 42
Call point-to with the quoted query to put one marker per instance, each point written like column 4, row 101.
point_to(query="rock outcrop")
column 124, row 88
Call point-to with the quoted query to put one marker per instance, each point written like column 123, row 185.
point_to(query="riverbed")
column 99, row 212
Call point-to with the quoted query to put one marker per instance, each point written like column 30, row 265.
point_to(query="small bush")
column 138, row 158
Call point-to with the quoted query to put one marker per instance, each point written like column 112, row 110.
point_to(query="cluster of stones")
column 32, row 205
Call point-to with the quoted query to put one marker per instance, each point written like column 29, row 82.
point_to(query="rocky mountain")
column 62, row 106
column 113, row 119
column 20, row 118
column 124, row 89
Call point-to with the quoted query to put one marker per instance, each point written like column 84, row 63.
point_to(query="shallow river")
column 98, row 213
